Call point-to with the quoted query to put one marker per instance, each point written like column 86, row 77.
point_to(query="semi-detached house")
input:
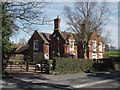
column 62, row 44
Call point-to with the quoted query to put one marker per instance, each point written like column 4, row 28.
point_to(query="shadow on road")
column 22, row 84
column 18, row 81
column 106, row 75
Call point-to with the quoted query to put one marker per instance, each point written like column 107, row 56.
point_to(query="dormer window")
column 71, row 45
column 94, row 45
column 100, row 46
column 36, row 44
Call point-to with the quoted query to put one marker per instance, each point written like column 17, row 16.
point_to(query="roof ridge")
column 44, row 37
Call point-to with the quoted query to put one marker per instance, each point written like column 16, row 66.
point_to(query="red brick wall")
column 67, row 50
column 46, row 49
column 35, row 36
column 56, row 45
column 98, row 39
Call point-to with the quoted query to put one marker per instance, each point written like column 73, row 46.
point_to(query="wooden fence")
column 18, row 66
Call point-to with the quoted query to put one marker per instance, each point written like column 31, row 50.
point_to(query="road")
column 81, row 80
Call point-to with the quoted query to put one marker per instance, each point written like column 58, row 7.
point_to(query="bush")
column 106, row 55
column 70, row 65
column 27, row 58
column 50, row 64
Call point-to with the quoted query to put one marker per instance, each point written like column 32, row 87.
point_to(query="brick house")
column 39, row 46
column 96, row 46
column 44, row 45
column 63, row 44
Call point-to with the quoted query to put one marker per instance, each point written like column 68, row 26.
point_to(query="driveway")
column 81, row 80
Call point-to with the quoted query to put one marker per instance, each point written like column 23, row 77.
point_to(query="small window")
column 94, row 56
column 71, row 44
column 36, row 44
column 100, row 55
column 94, row 46
column 54, row 35
column 100, row 46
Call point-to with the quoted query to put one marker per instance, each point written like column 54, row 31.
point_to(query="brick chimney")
column 57, row 23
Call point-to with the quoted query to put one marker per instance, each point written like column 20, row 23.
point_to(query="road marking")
column 92, row 83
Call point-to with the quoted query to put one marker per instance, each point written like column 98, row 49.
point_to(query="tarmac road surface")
column 81, row 80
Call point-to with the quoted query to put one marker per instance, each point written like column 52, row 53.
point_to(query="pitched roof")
column 45, row 37
column 21, row 50
column 17, row 45
column 65, row 34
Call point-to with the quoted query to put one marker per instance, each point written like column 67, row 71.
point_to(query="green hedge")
column 67, row 65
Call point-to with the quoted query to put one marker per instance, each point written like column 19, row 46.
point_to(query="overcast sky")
column 56, row 8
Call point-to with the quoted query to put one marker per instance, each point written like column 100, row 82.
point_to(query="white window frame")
column 54, row 35
column 35, row 43
column 71, row 49
column 100, row 46
column 100, row 55
column 94, row 45
column 94, row 54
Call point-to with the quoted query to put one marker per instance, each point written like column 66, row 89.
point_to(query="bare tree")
column 22, row 41
column 26, row 16
column 86, row 17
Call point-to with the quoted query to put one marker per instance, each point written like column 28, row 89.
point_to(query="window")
column 100, row 55
column 94, row 46
column 71, row 44
column 94, row 56
column 35, row 44
column 54, row 35
column 100, row 46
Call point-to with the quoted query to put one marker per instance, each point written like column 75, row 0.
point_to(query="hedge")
column 70, row 65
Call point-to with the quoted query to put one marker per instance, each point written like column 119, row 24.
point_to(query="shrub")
column 106, row 55
column 27, row 58
column 50, row 64
column 70, row 65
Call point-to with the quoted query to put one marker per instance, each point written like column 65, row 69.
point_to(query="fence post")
column 10, row 66
column 27, row 65
column 21, row 65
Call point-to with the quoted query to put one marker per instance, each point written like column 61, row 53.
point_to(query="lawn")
column 113, row 54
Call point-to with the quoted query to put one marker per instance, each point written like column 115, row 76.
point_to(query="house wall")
column 57, row 46
column 80, row 52
column 67, row 47
column 46, row 51
column 35, row 54
column 97, row 39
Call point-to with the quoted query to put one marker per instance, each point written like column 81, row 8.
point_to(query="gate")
column 15, row 66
